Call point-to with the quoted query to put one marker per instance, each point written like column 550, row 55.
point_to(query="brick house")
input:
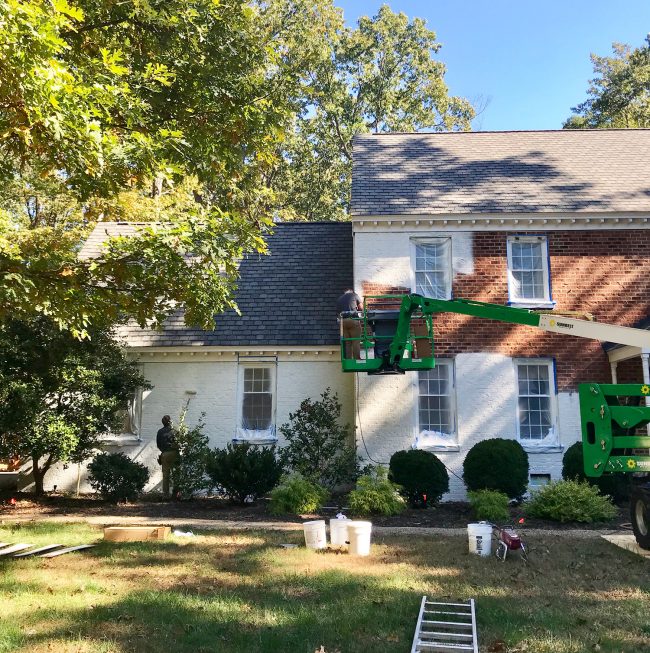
column 556, row 221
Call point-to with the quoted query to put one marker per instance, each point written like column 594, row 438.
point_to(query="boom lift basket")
column 379, row 322
column 611, row 430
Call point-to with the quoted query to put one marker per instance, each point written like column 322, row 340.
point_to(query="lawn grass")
column 239, row 592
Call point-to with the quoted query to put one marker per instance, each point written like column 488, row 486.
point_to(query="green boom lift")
column 396, row 335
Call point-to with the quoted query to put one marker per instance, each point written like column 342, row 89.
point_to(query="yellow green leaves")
column 63, row 7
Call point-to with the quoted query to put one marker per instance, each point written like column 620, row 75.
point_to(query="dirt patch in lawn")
column 445, row 515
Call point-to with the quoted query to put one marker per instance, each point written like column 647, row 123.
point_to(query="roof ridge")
column 507, row 131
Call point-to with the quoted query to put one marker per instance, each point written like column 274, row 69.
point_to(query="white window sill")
column 540, row 448
column 263, row 441
column 534, row 303
column 441, row 448
column 119, row 440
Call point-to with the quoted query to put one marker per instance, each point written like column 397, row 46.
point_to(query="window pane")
column 534, row 401
column 432, row 269
column 527, row 270
column 257, row 400
column 435, row 409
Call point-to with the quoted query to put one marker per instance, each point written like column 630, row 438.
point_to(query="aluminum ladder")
column 445, row 627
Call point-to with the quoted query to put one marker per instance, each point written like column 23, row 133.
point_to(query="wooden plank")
column 70, row 549
column 13, row 549
column 41, row 549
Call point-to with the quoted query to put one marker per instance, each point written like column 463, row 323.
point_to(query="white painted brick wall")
column 384, row 257
column 215, row 384
column 486, row 400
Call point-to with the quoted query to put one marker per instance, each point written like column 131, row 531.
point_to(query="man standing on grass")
column 166, row 442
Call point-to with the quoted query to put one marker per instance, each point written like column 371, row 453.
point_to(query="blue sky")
column 529, row 58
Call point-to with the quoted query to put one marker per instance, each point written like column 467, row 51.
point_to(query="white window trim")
column 432, row 240
column 546, row 445
column 452, row 446
column 537, row 302
column 268, row 436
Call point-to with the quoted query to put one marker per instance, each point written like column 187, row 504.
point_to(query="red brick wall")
column 606, row 273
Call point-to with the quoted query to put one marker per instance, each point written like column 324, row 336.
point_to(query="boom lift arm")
column 395, row 342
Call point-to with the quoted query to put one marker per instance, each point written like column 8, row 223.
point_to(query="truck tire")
column 640, row 516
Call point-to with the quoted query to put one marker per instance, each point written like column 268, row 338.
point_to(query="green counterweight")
column 611, row 436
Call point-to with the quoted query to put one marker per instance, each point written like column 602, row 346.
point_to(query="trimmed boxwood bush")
column 297, row 496
column 489, row 505
column 570, row 501
column 616, row 486
column 421, row 475
column 375, row 495
column 116, row 477
column 243, row 472
column 497, row 464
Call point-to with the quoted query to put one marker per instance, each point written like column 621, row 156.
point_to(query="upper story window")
column 256, row 419
column 437, row 407
column 528, row 272
column 432, row 267
column 536, row 393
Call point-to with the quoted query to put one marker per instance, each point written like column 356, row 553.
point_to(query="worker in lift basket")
column 169, row 456
column 348, row 306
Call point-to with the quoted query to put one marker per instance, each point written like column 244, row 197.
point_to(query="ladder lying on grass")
column 445, row 627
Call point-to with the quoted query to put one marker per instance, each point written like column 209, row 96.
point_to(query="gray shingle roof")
column 495, row 172
column 287, row 297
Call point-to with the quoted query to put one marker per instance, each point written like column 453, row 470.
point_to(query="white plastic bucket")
column 339, row 532
column 315, row 536
column 359, row 537
column 480, row 538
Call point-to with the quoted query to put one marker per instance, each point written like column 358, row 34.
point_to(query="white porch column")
column 613, row 367
column 645, row 364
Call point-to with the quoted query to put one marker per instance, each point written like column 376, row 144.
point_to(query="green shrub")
column 116, row 477
column 296, row 495
column 188, row 475
column 318, row 446
column 376, row 495
column 497, row 464
column 615, row 485
column 570, row 501
column 489, row 505
column 421, row 475
column 243, row 472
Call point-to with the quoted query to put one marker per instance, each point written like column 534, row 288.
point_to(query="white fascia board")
column 502, row 221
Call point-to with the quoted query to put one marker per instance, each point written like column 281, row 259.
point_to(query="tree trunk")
column 38, row 474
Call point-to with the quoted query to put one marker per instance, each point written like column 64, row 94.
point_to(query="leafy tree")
column 112, row 107
column 57, row 393
column 188, row 475
column 620, row 92
column 380, row 77
column 319, row 447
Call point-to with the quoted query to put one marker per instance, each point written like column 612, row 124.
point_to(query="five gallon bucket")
column 359, row 537
column 339, row 532
column 480, row 538
column 315, row 536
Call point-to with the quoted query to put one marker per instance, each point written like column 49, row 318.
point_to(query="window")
column 436, row 407
column 535, row 408
column 127, row 421
column 538, row 481
column 528, row 272
column 256, row 403
column 257, row 399
column 433, row 268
